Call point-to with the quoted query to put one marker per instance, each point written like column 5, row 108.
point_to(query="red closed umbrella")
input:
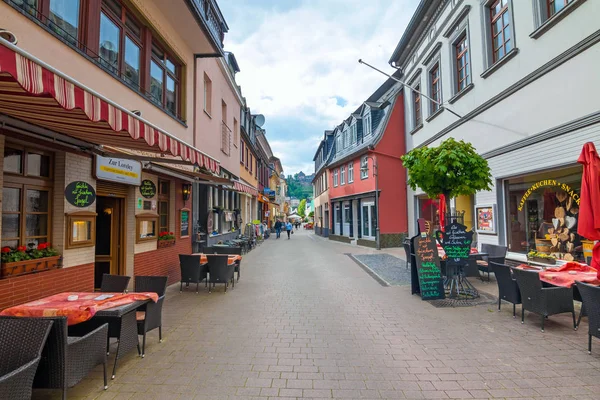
column 589, row 208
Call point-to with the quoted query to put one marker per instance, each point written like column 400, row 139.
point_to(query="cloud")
column 299, row 59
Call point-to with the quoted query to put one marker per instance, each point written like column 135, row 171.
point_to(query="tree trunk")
column 447, row 200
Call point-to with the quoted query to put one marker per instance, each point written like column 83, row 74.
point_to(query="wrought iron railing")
column 216, row 25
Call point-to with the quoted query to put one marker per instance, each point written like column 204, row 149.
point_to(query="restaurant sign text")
column 119, row 170
column 549, row 182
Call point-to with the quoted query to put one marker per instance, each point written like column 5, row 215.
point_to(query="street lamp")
column 365, row 168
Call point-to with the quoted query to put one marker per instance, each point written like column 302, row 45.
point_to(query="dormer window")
column 353, row 133
column 367, row 123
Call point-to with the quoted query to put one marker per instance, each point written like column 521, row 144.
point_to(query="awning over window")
column 242, row 187
column 36, row 93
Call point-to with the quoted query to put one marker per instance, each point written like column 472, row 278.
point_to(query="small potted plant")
column 28, row 259
column 166, row 239
column 541, row 258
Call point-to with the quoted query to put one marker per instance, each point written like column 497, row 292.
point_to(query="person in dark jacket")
column 278, row 229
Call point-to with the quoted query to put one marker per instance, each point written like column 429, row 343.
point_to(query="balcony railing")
column 209, row 13
column 225, row 139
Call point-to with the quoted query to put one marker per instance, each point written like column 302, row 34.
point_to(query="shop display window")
column 542, row 214
column 81, row 229
column 146, row 227
column 429, row 209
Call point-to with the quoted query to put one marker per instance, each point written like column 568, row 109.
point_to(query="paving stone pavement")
column 306, row 322
column 392, row 270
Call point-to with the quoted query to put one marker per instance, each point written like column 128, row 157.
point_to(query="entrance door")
column 368, row 220
column 109, row 237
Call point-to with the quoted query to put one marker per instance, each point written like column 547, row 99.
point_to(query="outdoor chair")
column 149, row 315
column 544, row 301
column 231, row 250
column 406, row 245
column 495, row 253
column 508, row 289
column 21, row 344
column 114, row 283
column 66, row 360
column 220, row 271
column 470, row 269
column 591, row 297
column 191, row 271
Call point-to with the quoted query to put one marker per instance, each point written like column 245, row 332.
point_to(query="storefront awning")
column 34, row 92
column 242, row 187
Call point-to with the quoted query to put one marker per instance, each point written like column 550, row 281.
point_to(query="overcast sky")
column 299, row 63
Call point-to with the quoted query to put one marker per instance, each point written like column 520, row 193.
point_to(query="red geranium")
column 22, row 248
column 43, row 246
column 6, row 250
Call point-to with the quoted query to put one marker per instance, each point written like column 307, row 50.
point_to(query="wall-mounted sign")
column 485, row 217
column 140, row 202
column 80, row 194
column 118, row 170
column 549, row 182
column 148, row 189
column 185, row 223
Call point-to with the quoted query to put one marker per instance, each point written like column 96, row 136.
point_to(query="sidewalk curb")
column 369, row 271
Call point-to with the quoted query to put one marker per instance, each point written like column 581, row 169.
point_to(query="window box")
column 17, row 268
column 166, row 243
column 81, row 229
column 146, row 228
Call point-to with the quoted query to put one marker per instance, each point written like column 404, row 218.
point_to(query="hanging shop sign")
column 549, row 182
column 119, row 170
column 485, row 218
column 148, row 189
column 80, row 194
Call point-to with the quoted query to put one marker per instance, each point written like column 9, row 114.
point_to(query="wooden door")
column 109, row 237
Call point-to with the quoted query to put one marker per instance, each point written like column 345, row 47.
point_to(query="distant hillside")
column 300, row 186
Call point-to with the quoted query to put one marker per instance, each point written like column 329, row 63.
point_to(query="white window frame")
column 343, row 175
column 335, row 178
column 339, row 142
column 371, row 211
column 351, row 172
column 364, row 162
column 346, row 138
column 542, row 23
column 462, row 30
column 433, row 107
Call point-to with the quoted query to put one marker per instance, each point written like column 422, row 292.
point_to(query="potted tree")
column 166, row 239
column 451, row 169
column 28, row 259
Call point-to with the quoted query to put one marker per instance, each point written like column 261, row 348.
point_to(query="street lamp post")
column 376, row 175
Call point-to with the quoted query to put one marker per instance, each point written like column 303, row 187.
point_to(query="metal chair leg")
column 160, row 334
column 581, row 312
column 105, row 377
column 144, row 346
column 514, row 310
column 589, row 344
column 574, row 321
column 499, row 303
column 522, row 315
column 543, row 319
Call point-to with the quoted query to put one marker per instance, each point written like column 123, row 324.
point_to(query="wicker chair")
column 495, row 253
column 591, row 297
column 220, row 271
column 114, row 283
column 508, row 289
column 21, row 344
column 231, row 250
column 542, row 300
column 191, row 271
column 66, row 360
column 149, row 316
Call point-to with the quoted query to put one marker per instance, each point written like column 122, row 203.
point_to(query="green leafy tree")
column 312, row 214
column 452, row 169
column 302, row 208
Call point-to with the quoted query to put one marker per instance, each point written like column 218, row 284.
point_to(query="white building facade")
column 522, row 76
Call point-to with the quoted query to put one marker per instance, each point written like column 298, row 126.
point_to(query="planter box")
column 549, row 261
column 17, row 268
column 166, row 243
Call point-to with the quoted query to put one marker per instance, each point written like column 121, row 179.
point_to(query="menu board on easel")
column 456, row 242
column 184, row 223
column 431, row 285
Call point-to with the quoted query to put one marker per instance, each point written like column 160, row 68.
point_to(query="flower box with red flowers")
column 166, row 239
column 30, row 259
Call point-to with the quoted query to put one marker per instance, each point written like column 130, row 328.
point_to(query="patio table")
column 233, row 258
column 566, row 275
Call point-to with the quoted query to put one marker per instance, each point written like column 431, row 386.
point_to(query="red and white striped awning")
column 243, row 188
column 36, row 93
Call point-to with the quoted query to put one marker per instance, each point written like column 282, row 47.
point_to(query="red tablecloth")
column 233, row 258
column 80, row 310
column 560, row 276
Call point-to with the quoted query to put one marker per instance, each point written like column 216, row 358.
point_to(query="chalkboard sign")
column 80, row 194
column 456, row 242
column 148, row 189
column 431, row 283
column 185, row 223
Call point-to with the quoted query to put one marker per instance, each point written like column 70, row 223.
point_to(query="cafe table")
column 86, row 311
column 232, row 258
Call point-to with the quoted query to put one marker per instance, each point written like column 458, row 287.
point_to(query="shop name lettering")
column 120, row 164
column 550, row 182
column 82, row 194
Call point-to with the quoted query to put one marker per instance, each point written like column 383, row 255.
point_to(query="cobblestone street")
column 306, row 321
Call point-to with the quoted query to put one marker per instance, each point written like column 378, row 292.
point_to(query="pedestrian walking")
column 278, row 229
column 288, row 228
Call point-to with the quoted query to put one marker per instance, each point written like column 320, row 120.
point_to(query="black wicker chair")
column 21, row 344
column 470, row 269
column 406, row 245
column 508, row 289
column 231, row 250
column 495, row 253
column 591, row 297
column 220, row 271
column 114, row 283
column 191, row 271
column 149, row 316
column 544, row 301
column 66, row 360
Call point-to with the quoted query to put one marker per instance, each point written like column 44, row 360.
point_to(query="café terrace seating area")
column 71, row 336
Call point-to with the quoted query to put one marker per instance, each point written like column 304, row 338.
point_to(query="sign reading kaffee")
column 120, row 170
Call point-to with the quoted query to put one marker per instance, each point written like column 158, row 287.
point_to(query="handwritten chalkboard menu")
column 456, row 242
column 80, row 194
column 185, row 223
column 148, row 189
column 431, row 283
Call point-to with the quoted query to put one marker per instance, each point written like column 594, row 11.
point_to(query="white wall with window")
column 364, row 167
column 351, row 172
